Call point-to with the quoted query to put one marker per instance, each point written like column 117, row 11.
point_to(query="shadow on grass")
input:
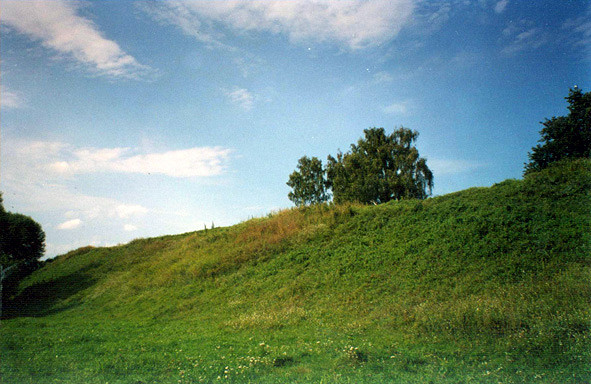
column 46, row 298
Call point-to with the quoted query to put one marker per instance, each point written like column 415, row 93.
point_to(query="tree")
column 380, row 168
column 21, row 238
column 564, row 136
column 308, row 182
column 22, row 243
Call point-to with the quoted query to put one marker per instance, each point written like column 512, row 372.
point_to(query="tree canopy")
column 308, row 182
column 564, row 136
column 380, row 167
column 21, row 237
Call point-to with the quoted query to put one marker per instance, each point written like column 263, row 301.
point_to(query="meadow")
column 485, row 285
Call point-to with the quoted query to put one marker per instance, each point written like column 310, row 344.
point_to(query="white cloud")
column 430, row 16
column 522, row 36
column 58, row 27
column 400, row 108
column 60, row 159
column 241, row 97
column 579, row 33
column 129, row 227
column 581, row 25
column 125, row 211
column 10, row 99
column 501, row 5
column 382, row 77
column 248, row 64
column 42, row 195
column 353, row 24
column 465, row 59
column 70, row 224
column 452, row 166
column 192, row 162
column 39, row 174
column 530, row 39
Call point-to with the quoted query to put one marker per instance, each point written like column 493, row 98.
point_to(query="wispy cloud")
column 57, row 26
column 382, row 77
column 452, row 166
column 129, row 228
column 10, row 99
column 42, row 176
column 91, row 207
column 578, row 32
column 248, row 64
column 241, row 97
column 522, row 36
column 430, row 16
column 58, row 199
column 41, row 195
column 501, row 5
column 353, row 24
column 70, row 224
column 127, row 211
column 192, row 162
column 399, row 108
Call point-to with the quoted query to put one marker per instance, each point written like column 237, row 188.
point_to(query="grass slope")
column 486, row 285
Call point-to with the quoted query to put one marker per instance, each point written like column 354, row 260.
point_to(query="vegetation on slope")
column 482, row 285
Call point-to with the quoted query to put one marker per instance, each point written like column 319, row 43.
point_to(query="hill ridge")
column 503, row 269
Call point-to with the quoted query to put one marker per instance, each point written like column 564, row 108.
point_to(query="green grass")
column 486, row 285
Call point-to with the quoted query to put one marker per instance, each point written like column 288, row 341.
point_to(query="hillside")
column 485, row 285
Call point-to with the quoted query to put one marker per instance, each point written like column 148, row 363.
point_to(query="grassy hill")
column 486, row 285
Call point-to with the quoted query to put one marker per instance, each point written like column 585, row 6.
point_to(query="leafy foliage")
column 380, row 168
column 565, row 136
column 21, row 238
column 308, row 183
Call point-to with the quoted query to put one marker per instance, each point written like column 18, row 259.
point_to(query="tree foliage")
column 21, row 238
column 379, row 168
column 564, row 136
column 308, row 182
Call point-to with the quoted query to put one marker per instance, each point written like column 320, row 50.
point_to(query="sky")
column 129, row 119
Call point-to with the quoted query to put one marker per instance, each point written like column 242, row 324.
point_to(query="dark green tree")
column 380, row 168
column 22, row 243
column 308, row 182
column 21, row 238
column 564, row 137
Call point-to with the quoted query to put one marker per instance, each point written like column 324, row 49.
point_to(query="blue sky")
column 131, row 119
